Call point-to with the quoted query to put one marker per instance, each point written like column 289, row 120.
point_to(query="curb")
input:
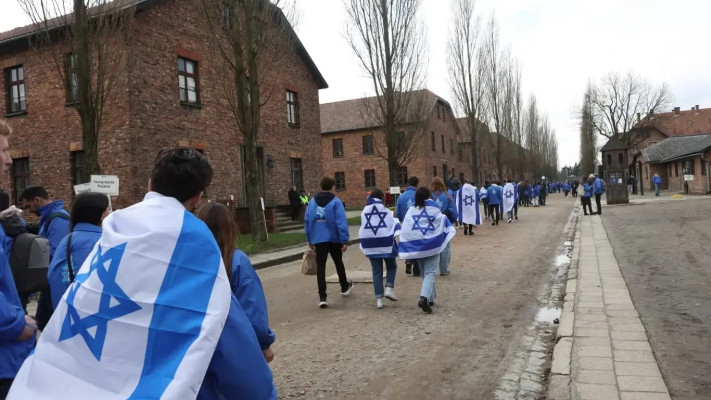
column 559, row 379
column 289, row 258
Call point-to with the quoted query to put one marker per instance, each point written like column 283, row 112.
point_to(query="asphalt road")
column 664, row 252
column 354, row 351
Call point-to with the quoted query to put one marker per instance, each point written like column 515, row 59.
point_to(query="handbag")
column 308, row 263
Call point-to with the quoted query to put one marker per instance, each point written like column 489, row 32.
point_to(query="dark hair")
column 377, row 194
column 327, row 183
column 218, row 218
column 413, row 181
column 4, row 200
column 422, row 194
column 88, row 208
column 32, row 192
column 180, row 173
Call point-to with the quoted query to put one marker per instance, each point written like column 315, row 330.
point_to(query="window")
column 72, row 80
column 689, row 167
column 434, row 170
column 609, row 160
column 444, row 114
column 297, row 173
column 402, row 176
column 433, row 144
column 15, row 82
column 20, row 176
column 702, row 164
column 78, row 168
column 369, row 178
column 292, row 108
column 368, row 144
column 340, row 180
column 338, row 147
column 188, row 81
column 439, row 114
column 620, row 158
column 443, row 149
column 451, row 146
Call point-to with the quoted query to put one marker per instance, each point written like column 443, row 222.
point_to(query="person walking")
column 377, row 234
column 598, row 189
column 425, row 233
column 566, row 188
column 657, row 180
column 326, row 229
column 574, row 188
column 630, row 184
column 244, row 281
column 294, row 203
column 404, row 202
column 446, row 205
column 509, row 200
column 535, row 189
column 467, row 201
column 494, row 194
column 586, row 198
column 484, row 196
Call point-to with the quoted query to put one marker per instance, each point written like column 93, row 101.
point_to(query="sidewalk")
column 603, row 352
column 271, row 258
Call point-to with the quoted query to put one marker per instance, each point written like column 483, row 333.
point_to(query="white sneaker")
column 349, row 290
column 322, row 304
column 390, row 294
column 510, row 220
column 379, row 302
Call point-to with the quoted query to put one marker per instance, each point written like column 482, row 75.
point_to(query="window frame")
column 79, row 168
column 340, row 178
column 9, row 88
column 293, row 118
column 372, row 177
column 370, row 148
column 297, row 172
column 433, row 144
column 444, row 149
column 195, row 75
column 402, row 176
column 340, row 142
column 17, row 190
column 434, row 170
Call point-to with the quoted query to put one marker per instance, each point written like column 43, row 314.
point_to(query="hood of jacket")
column 323, row 198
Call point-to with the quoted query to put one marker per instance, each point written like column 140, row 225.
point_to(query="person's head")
column 327, row 183
column 90, row 208
column 181, row 173
column 437, row 185
column 422, row 194
column 413, row 181
column 293, row 188
column 34, row 197
column 591, row 177
column 218, row 218
column 377, row 194
column 5, row 133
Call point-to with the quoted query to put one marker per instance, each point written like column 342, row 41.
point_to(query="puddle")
column 548, row 315
column 562, row 260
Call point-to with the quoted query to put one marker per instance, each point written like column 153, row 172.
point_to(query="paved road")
column 664, row 251
column 354, row 351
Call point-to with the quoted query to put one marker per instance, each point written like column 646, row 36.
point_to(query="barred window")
column 369, row 178
column 340, row 180
column 338, row 147
column 15, row 82
column 292, row 108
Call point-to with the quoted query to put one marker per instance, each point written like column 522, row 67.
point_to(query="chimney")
column 677, row 111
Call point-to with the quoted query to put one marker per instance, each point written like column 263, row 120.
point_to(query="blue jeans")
column 391, row 266
column 656, row 189
column 444, row 258
column 428, row 267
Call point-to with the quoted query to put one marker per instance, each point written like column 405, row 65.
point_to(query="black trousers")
column 486, row 208
column 295, row 208
column 322, row 252
column 587, row 204
column 597, row 203
column 4, row 387
column 494, row 212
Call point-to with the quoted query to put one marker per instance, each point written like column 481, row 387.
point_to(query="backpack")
column 29, row 260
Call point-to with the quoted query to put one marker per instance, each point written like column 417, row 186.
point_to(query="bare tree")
column 588, row 135
column 388, row 40
column 619, row 102
column 246, row 39
column 88, row 44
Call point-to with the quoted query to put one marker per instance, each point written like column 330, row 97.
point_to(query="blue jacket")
column 597, row 186
column 404, row 202
column 494, row 194
column 58, row 227
column 12, row 322
column 248, row 290
column 535, row 190
column 325, row 220
column 483, row 192
column 587, row 190
column 566, row 187
column 238, row 369
column 446, row 204
column 657, row 179
column 84, row 237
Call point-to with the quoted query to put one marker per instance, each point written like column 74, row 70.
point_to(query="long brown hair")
column 219, row 219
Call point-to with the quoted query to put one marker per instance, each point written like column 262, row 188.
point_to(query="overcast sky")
column 561, row 44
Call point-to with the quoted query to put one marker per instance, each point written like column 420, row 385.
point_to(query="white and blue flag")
column 143, row 316
column 510, row 197
column 378, row 229
column 425, row 232
column 468, row 205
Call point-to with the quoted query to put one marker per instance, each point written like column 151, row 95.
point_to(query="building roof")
column 351, row 115
column 677, row 147
column 677, row 123
column 614, row 144
column 15, row 35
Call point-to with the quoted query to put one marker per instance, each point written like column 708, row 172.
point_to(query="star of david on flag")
column 508, row 194
column 381, row 220
column 468, row 200
column 429, row 219
column 113, row 302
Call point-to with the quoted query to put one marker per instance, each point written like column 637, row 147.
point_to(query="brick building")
column 152, row 108
column 674, row 145
column 350, row 154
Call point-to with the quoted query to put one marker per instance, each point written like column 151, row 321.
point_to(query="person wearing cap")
column 598, row 189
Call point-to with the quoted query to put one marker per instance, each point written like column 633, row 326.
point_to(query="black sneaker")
column 349, row 290
column 424, row 305
column 408, row 268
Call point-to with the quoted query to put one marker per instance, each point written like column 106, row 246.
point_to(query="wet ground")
column 664, row 252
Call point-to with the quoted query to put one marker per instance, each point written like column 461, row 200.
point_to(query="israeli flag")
column 143, row 316
column 425, row 232
column 510, row 197
column 378, row 229
column 468, row 205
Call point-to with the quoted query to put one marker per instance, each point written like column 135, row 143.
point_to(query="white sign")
column 82, row 188
column 106, row 184
column 688, row 177
column 394, row 189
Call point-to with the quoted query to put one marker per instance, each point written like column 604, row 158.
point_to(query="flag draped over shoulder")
column 143, row 316
column 468, row 205
column 378, row 229
column 425, row 232
column 509, row 197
